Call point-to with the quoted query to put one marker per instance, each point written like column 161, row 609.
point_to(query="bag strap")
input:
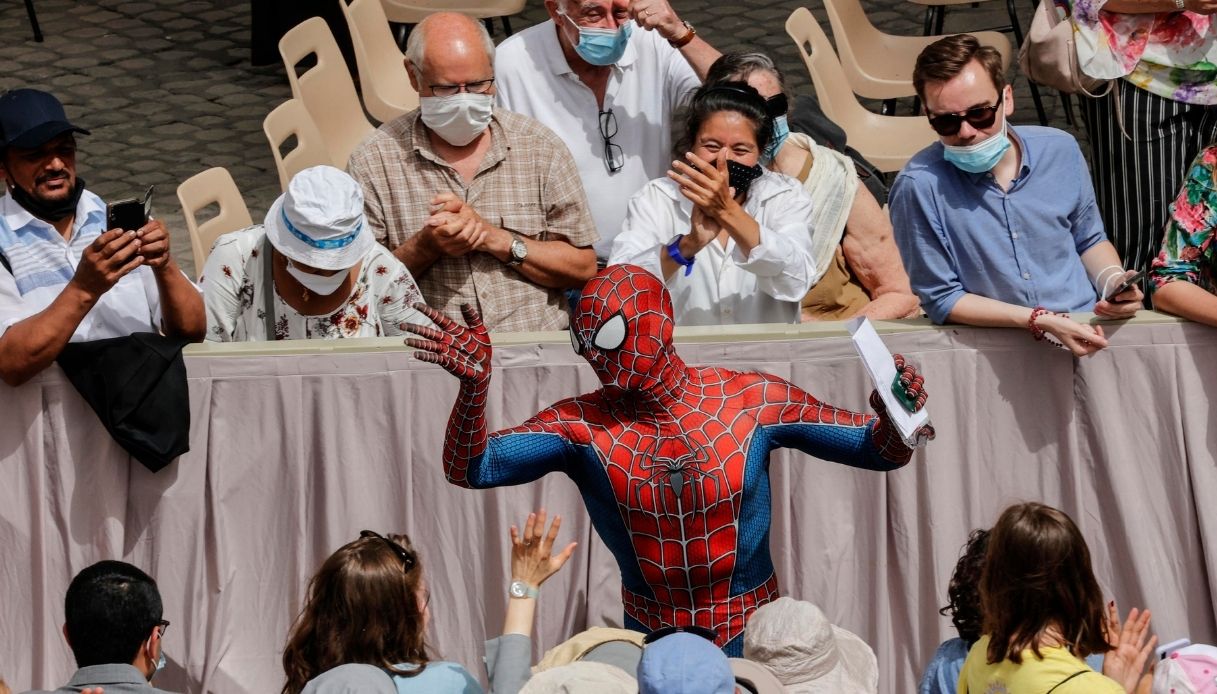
column 268, row 289
column 1076, row 674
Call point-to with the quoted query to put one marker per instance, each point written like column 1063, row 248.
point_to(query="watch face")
column 519, row 250
column 517, row 589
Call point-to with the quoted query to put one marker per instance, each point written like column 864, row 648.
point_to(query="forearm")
column 891, row 305
column 973, row 309
column 182, row 310
column 1103, row 267
column 520, row 614
column 30, row 345
column 1140, row 6
column 552, row 264
column 417, row 253
column 700, row 56
column 465, row 438
column 1188, row 301
column 689, row 246
column 742, row 228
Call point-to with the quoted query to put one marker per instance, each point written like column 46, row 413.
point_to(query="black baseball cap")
column 30, row 118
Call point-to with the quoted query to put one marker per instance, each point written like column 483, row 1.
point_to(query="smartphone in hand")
column 129, row 214
column 1125, row 286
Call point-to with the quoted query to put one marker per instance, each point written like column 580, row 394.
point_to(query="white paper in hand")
column 882, row 369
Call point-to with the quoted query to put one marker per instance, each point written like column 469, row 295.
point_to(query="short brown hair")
column 948, row 56
column 1037, row 574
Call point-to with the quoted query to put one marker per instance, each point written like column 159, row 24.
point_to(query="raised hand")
column 912, row 382
column 463, row 351
column 1130, row 647
column 886, row 433
column 532, row 558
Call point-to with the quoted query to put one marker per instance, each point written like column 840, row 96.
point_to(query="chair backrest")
column 413, row 11
column 291, row 118
column 383, row 79
column 854, row 34
column 211, row 187
column 827, row 75
column 326, row 89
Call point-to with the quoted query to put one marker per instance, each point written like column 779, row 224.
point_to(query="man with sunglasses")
column 607, row 76
column 113, row 623
column 482, row 205
column 997, row 225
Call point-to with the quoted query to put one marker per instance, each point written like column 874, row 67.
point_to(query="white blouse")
column 725, row 287
column 381, row 302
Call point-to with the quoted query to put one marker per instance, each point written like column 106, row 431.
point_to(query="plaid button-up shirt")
column 527, row 184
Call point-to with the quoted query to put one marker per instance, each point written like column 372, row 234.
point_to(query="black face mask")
column 740, row 177
column 48, row 211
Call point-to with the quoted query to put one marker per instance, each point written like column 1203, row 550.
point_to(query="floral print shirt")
column 1171, row 54
column 1188, row 251
column 381, row 303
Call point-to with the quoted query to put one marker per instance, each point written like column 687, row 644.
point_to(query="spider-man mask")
column 623, row 327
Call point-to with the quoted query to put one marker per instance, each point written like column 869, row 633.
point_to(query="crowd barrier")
column 297, row 447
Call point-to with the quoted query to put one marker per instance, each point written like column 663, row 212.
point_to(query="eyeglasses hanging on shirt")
column 614, row 160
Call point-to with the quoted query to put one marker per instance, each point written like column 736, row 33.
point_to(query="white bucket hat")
column 581, row 677
column 808, row 653
column 319, row 220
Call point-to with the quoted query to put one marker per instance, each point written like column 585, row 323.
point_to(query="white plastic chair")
column 383, row 79
column 413, row 11
column 289, row 119
column 326, row 89
column 211, row 187
column 879, row 65
column 887, row 141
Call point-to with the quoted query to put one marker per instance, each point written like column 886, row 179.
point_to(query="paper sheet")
column 882, row 369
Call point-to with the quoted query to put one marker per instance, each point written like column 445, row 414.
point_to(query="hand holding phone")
column 1124, row 286
column 130, row 214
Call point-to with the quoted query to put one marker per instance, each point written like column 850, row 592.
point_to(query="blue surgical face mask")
column 982, row 156
column 781, row 131
column 602, row 46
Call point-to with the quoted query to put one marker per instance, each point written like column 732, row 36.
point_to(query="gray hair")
column 418, row 38
column 737, row 66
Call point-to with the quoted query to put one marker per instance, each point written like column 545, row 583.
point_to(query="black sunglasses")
column 406, row 556
column 707, row 634
column 979, row 117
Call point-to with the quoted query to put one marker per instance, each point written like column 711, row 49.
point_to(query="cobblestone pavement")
column 167, row 88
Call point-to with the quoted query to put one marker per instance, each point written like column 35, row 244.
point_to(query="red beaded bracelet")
column 1036, row 331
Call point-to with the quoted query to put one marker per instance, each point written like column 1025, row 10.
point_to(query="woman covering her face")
column 730, row 238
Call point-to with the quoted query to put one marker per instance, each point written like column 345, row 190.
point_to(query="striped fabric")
column 1136, row 179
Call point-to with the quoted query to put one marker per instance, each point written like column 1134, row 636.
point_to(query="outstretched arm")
column 472, row 459
column 818, row 429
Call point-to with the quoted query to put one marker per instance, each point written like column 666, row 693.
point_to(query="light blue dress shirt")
column 960, row 233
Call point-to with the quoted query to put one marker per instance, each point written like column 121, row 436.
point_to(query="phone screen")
column 1125, row 285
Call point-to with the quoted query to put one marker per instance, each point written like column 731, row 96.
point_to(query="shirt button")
column 1014, row 234
column 1026, row 275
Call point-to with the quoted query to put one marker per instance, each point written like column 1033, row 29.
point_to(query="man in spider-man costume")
column 671, row 460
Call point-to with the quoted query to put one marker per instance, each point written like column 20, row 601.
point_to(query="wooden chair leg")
column 29, row 9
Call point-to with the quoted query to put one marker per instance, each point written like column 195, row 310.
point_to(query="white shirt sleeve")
column 12, row 309
column 650, row 223
column 222, row 277
column 782, row 260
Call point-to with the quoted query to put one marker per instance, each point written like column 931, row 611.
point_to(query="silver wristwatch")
column 519, row 251
column 520, row 589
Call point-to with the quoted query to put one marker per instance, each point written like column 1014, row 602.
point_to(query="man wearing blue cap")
column 63, row 276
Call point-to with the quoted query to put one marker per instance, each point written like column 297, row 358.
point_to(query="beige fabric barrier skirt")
column 292, row 455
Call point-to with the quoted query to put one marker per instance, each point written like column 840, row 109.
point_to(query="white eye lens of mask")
column 574, row 340
column 610, row 335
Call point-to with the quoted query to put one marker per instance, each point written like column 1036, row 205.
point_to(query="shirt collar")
column 499, row 145
column 17, row 217
column 113, row 673
column 556, row 59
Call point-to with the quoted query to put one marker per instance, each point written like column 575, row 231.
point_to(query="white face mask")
column 459, row 118
column 320, row 285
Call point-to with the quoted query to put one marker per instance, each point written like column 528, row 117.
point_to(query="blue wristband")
column 676, row 256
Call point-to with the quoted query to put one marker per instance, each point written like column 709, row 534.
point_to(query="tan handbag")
column 1049, row 57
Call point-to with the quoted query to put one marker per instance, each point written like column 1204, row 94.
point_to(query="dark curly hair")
column 964, row 590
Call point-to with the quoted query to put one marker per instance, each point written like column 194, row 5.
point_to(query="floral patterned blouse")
column 381, row 303
column 1188, row 251
column 1171, row 54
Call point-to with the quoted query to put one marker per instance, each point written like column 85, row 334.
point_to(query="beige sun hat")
column 581, row 677
column 808, row 653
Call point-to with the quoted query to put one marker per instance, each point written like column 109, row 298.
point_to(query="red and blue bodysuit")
column 672, row 461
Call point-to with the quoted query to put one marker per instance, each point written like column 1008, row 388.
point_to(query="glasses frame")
column 608, row 130
column 478, row 87
column 704, row 632
column 986, row 119
column 407, row 557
